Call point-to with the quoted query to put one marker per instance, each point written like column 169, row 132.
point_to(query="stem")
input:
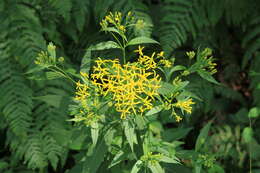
column 124, row 60
column 117, row 40
column 63, row 73
column 250, row 160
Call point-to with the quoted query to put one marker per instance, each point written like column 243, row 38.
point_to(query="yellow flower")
column 82, row 91
column 166, row 63
column 161, row 54
column 178, row 118
column 140, row 50
column 122, row 28
column 185, row 105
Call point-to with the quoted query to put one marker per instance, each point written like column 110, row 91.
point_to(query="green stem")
column 124, row 60
column 63, row 73
column 250, row 160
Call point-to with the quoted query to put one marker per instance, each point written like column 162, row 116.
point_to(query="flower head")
column 185, row 105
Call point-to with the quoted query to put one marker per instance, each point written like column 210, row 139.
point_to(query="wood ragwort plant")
column 118, row 101
column 35, row 136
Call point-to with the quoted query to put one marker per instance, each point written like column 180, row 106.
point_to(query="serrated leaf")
column 155, row 167
column 93, row 162
column 130, row 134
column 166, row 88
column 169, row 160
column 94, row 132
column 141, row 40
column 206, row 75
column 202, row 136
column 52, row 75
column 120, row 156
column 137, row 166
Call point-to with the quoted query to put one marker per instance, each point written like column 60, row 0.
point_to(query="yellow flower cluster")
column 82, row 91
column 185, row 105
column 115, row 19
column 131, row 86
column 212, row 67
column 149, row 62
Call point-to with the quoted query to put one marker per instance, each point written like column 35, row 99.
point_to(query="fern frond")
column 251, row 41
column 15, row 98
column 24, row 27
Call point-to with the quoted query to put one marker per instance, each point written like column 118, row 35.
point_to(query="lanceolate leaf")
column 85, row 64
column 141, row 40
column 202, row 136
column 137, row 166
column 130, row 134
column 93, row 162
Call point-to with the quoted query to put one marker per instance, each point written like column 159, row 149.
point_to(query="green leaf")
column 206, row 75
column 155, row 167
column 93, row 162
column 112, row 29
column 137, row 166
column 120, row 156
column 53, row 75
column 166, row 88
column 216, row 169
column 202, row 136
column 176, row 68
column 169, row 160
column 247, row 134
column 175, row 133
column 141, row 40
column 3, row 165
column 130, row 134
column 154, row 110
column 77, row 140
column 52, row 100
column 94, row 132
column 156, row 127
column 86, row 61
column 253, row 113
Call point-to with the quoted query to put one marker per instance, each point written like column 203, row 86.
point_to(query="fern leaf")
column 16, row 98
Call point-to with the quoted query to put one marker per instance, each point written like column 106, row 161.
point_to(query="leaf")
column 94, row 132
column 93, row 162
column 53, row 75
column 156, row 127
column 169, row 160
column 52, row 100
column 130, row 134
column 202, row 136
column 154, row 110
column 85, row 63
column 3, row 165
column 176, row 68
column 247, row 134
column 206, row 75
column 141, row 40
column 155, row 167
column 216, row 169
column 253, row 113
column 175, row 133
column 77, row 140
column 120, row 156
column 166, row 88
column 137, row 166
